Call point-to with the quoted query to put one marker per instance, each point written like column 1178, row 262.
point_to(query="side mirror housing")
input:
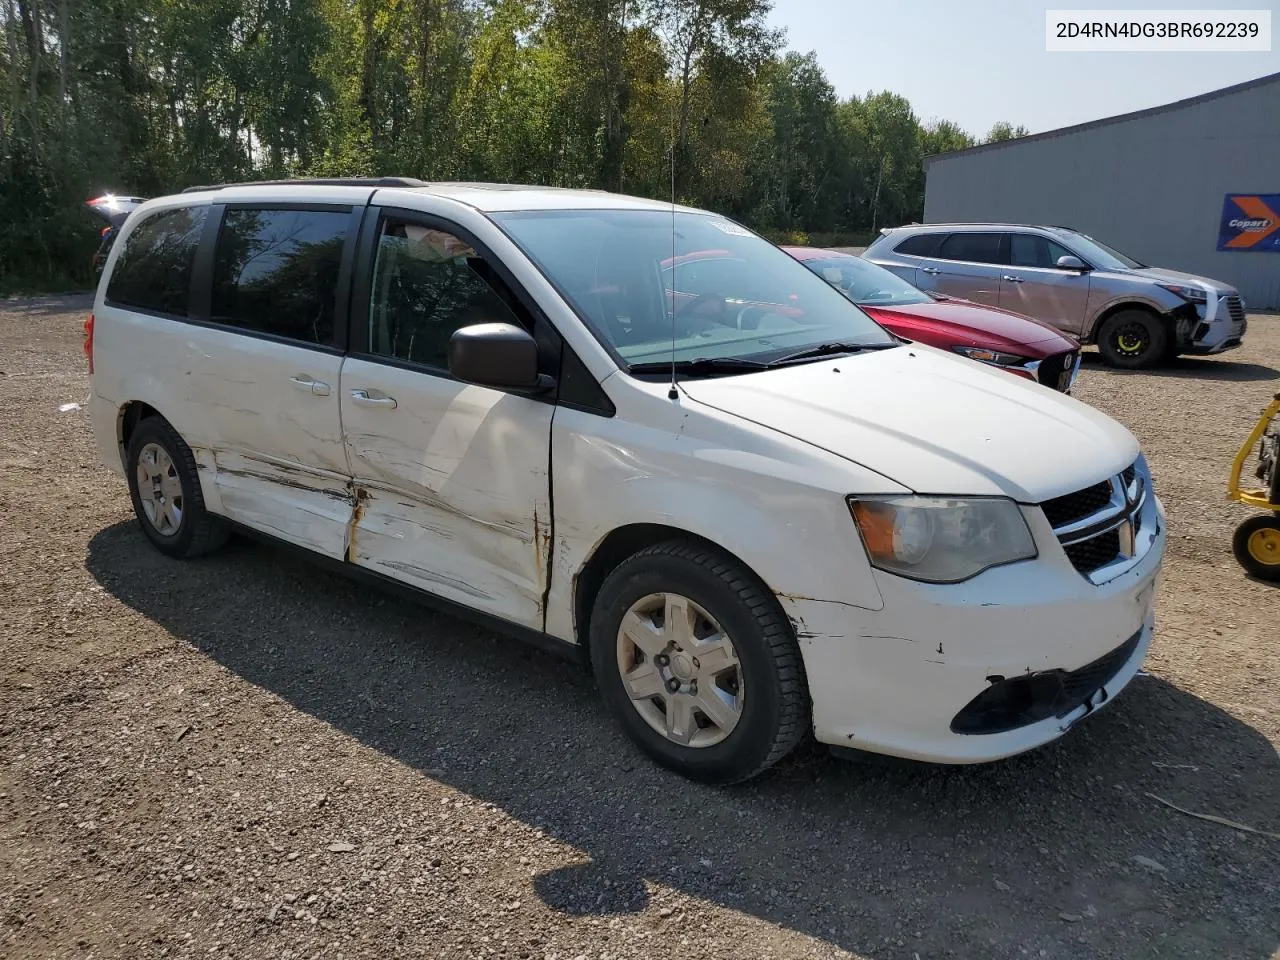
column 498, row 355
column 1071, row 263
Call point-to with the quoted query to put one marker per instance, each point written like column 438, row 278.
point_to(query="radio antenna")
column 672, row 393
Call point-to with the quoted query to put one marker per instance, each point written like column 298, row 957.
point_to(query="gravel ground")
column 246, row 756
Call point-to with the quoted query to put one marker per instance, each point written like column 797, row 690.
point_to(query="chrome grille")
column 1236, row 308
column 1098, row 525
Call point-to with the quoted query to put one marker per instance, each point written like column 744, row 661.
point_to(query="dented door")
column 451, row 486
column 451, row 479
column 262, row 372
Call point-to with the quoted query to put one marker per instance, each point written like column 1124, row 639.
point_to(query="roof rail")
column 317, row 182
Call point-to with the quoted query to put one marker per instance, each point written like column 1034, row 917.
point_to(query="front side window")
column 972, row 247
column 1029, row 250
column 690, row 287
column 427, row 283
column 865, row 282
column 276, row 271
column 153, row 271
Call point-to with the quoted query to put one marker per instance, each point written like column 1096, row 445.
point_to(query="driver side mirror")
column 498, row 355
column 1071, row 263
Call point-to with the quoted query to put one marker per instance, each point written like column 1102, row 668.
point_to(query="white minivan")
column 751, row 509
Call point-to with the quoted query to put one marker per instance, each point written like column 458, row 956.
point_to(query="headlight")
column 991, row 356
column 1190, row 294
column 941, row 539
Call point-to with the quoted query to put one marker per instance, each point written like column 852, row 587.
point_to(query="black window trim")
column 192, row 292
column 551, row 344
column 1002, row 254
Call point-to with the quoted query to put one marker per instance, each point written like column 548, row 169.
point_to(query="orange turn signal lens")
column 875, row 521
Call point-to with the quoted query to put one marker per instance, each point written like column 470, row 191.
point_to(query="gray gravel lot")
column 245, row 756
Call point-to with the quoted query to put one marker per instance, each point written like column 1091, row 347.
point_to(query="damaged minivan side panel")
column 270, row 455
column 699, row 471
column 452, row 487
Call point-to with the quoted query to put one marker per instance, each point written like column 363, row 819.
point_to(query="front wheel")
column 1256, row 545
column 697, row 662
column 1133, row 340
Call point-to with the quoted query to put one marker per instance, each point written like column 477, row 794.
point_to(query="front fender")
column 1101, row 309
column 775, row 503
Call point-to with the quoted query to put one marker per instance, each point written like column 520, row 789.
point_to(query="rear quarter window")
column 153, row 271
column 921, row 245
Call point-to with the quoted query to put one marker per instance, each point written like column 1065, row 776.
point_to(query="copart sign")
column 1250, row 222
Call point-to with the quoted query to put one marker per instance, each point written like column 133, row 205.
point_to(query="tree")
column 696, row 32
column 1005, row 131
column 149, row 96
column 884, row 137
column 943, row 136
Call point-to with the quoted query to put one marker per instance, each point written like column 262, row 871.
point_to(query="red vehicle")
column 1010, row 341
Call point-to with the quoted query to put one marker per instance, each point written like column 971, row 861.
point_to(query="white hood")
column 933, row 422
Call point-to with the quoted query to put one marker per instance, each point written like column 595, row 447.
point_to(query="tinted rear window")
column 921, row 245
column 276, row 271
column 974, row 247
column 153, row 271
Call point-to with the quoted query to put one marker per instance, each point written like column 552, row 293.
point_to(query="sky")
column 976, row 62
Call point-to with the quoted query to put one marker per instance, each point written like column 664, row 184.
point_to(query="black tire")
column 1133, row 340
column 1250, row 545
column 775, row 711
column 198, row 532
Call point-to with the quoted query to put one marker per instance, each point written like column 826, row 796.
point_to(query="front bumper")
column 895, row 680
column 1220, row 326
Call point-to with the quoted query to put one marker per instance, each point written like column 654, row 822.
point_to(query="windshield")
column 865, row 282
column 1099, row 254
column 725, row 294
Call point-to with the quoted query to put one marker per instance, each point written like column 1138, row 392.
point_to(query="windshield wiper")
column 700, row 365
column 829, row 350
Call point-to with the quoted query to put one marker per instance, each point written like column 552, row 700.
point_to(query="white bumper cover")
column 892, row 681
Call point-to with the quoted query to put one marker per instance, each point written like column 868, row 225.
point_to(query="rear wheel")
column 165, row 490
column 697, row 662
column 1257, row 547
column 1133, row 340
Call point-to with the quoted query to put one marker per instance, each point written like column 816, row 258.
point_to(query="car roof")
column 487, row 197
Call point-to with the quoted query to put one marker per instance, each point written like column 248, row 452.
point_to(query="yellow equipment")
column 1257, row 541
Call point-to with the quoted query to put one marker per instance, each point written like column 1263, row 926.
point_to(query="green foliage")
column 1005, row 131
column 787, row 238
column 149, row 96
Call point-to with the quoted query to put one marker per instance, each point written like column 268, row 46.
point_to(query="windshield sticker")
column 724, row 226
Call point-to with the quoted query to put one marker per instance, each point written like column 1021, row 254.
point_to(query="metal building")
column 1153, row 184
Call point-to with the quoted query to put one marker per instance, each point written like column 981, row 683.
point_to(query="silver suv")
column 1136, row 314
